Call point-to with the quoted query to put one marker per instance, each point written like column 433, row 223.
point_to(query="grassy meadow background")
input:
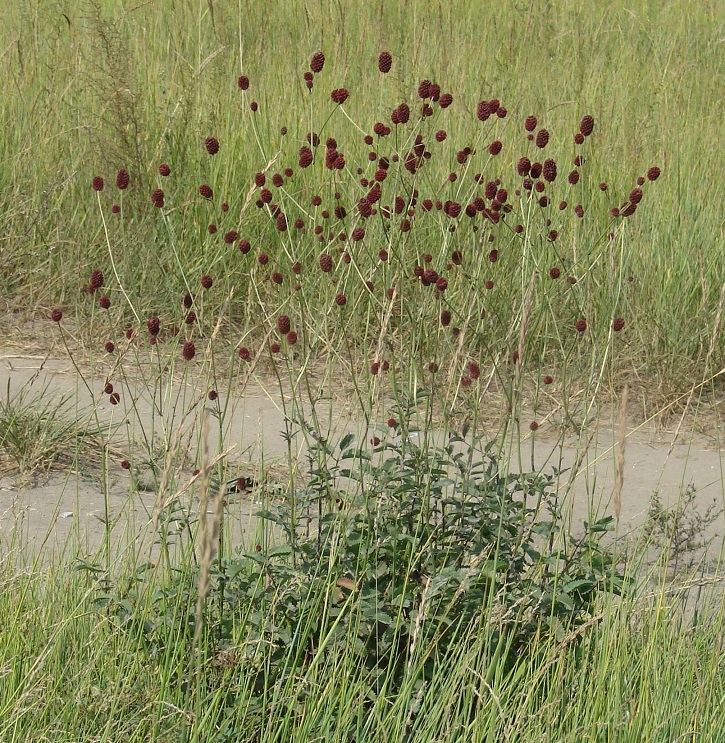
column 113, row 647
column 94, row 87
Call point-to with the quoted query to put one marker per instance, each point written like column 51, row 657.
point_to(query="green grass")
column 71, row 673
column 100, row 87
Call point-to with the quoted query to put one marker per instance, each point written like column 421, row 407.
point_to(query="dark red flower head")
column 617, row 324
column 635, row 195
column 326, row 262
column 424, row 89
column 283, row 324
column 212, row 145
column 542, row 138
column 96, row 279
column 230, row 237
column 495, row 147
column 56, row 315
column 243, row 82
column 401, row 114
column 164, row 170
column 207, row 281
column 339, row 95
column 549, row 170
column 157, row 198
column 385, row 62
column 305, row 159
column 586, row 127
column 189, row 351
column 317, row 62
column 154, row 325
column 205, row 191
column 445, row 100
column 530, row 123
column 122, row 179
column 524, row 166
column 341, row 300
column 653, row 173
column 97, row 183
column 581, row 325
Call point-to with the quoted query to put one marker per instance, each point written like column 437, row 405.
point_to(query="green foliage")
column 391, row 557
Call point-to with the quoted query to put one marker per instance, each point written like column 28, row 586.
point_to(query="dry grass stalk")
column 619, row 458
column 209, row 531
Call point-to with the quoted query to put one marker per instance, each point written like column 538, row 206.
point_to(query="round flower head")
column 495, row 147
column 445, row 100
column 341, row 300
column 97, row 183
column 424, row 89
column 586, row 127
column 339, row 95
column 110, row 347
column 154, row 325
column 617, row 324
column 96, row 279
column 530, row 123
column 653, row 173
column 317, row 62
column 549, row 170
column 207, row 281
column 56, row 315
column 305, row 158
column 212, row 145
column 283, row 324
column 230, row 237
column 326, row 262
column 188, row 351
column 122, row 179
column 164, row 170
column 581, row 325
column 243, row 83
column 385, row 62
column 542, row 138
